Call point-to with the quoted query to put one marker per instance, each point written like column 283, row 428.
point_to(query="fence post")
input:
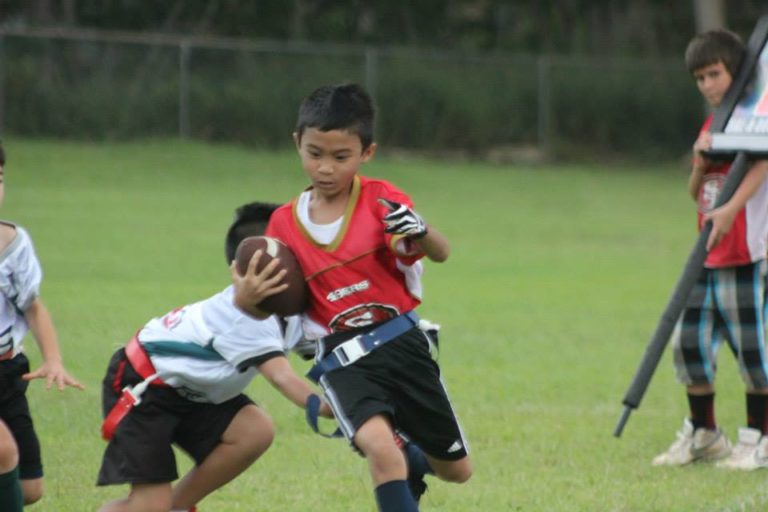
column 184, row 58
column 372, row 77
column 544, row 66
column 2, row 84
column 371, row 70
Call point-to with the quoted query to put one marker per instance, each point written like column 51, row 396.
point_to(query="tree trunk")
column 709, row 14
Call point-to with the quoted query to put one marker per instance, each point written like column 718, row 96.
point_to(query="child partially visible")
column 22, row 310
column 729, row 299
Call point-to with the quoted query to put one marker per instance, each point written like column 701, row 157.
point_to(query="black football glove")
column 402, row 220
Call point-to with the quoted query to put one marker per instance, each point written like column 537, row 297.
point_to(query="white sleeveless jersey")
column 197, row 348
column 20, row 278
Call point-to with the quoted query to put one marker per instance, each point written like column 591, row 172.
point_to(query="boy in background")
column 729, row 298
column 22, row 310
column 194, row 363
column 359, row 243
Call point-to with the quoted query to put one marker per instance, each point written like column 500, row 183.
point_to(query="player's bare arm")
column 52, row 369
column 434, row 245
column 251, row 288
column 280, row 374
column 722, row 218
column 700, row 163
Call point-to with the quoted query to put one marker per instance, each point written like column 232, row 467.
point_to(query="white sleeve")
column 412, row 277
column 248, row 338
column 293, row 331
column 21, row 270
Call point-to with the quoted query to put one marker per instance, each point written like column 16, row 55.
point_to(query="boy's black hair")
column 2, row 155
column 338, row 107
column 251, row 219
column 712, row 46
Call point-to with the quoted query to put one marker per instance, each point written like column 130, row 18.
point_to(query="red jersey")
column 356, row 279
column 746, row 241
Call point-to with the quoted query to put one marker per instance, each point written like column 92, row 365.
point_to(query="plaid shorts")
column 725, row 304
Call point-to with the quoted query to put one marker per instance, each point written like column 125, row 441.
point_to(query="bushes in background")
column 426, row 101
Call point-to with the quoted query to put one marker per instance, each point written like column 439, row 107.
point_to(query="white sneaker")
column 700, row 445
column 750, row 453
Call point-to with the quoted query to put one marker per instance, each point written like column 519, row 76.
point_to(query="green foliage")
column 624, row 107
column 426, row 101
column 626, row 27
column 86, row 91
column 456, row 102
column 554, row 286
column 253, row 97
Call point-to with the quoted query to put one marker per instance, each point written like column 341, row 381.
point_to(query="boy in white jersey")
column 729, row 299
column 21, row 310
column 196, row 360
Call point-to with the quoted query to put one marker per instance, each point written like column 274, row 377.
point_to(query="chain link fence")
column 113, row 86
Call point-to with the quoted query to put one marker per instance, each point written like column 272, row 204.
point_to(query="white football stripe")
column 271, row 248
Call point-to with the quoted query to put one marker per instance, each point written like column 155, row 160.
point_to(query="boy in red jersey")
column 729, row 298
column 359, row 243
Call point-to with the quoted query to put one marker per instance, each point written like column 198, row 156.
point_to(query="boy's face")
column 331, row 159
column 713, row 81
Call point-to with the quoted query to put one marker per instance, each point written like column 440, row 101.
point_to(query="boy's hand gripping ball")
column 293, row 300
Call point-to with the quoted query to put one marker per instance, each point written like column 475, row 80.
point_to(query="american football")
column 292, row 300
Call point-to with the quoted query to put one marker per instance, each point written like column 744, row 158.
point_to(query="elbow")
column 440, row 257
column 441, row 253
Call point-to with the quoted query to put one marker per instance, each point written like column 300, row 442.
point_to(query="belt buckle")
column 349, row 351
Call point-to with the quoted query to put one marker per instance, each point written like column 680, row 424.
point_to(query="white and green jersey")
column 20, row 278
column 203, row 349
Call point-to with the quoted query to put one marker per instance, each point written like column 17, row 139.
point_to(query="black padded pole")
column 676, row 303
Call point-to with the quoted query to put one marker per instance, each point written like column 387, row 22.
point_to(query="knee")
column 158, row 506
column 457, row 473
column 461, row 476
column 261, row 440
column 151, row 502
column 9, row 458
column 9, row 452
column 253, row 434
column 32, row 490
column 385, row 459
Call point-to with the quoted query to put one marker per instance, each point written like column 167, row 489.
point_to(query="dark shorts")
column 399, row 380
column 141, row 449
column 14, row 411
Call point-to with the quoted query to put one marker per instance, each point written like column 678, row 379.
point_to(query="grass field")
column 555, row 284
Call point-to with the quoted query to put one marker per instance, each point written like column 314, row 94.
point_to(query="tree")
column 709, row 14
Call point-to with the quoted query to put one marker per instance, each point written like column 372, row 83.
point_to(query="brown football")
column 292, row 300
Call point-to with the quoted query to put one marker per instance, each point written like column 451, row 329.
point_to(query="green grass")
column 555, row 284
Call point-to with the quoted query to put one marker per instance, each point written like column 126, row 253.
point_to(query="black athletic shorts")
column 141, row 449
column 401, row 381
column 14, row 411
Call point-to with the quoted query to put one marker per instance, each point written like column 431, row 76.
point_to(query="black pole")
column 676, row 303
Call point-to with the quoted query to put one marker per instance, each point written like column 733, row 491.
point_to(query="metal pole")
column 2, row 85
column 371, row 70
column 372, row 76
column 184, row 90
column 676, row 303
column 543, row 68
